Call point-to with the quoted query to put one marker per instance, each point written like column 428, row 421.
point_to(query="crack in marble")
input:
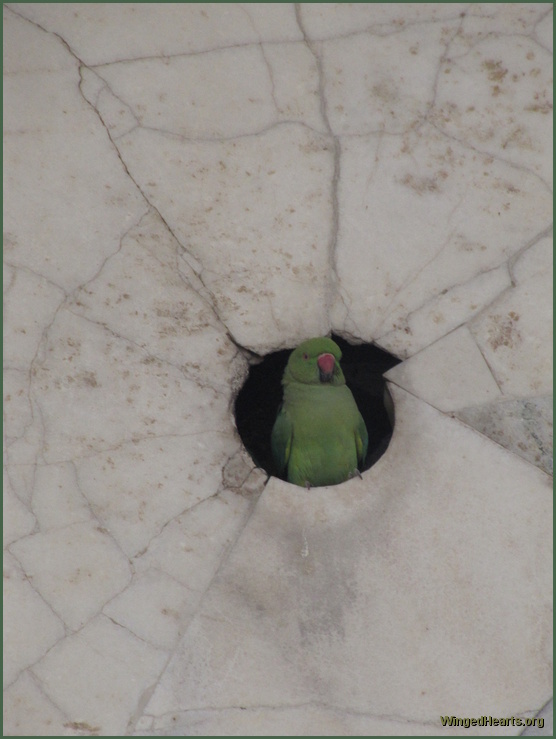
column 69, row 630
column 408, row 281
column 25, row 268
column 431, row 115
column 29, row 667
column 443, row 58
column 387, row 28
column 12, row 276
column 455, row 417
column 505, row 261
column 128, row 629
column 433, row 118
column 161, row 572
column 109, row 257
column 446, row 292
column 45, row 30
column 511, row 261
column 333, row 240
column 235, row 137
column 184, row 512
column 149, row 358
column 271, row 78
column 144, row 195
column 452, row 414
column 36, row 415
column 224, row 485
column 201, row 52
column 103, row 530
column 142, row 703
column 491, row 369
column 392, row 28
column 158, row 723
column 201, row 595
column 515, row 257
column 162, row 719
column 38, row 683
column 265, row 58
column 380, row 29
column 117, row 447
column 495, row 35
column 489, row 154
column 535, row 31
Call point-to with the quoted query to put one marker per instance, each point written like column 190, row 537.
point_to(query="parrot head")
column 314, row 362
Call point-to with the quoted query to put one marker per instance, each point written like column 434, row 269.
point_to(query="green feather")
column 319, row 437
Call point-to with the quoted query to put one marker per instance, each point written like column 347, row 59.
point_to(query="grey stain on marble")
column 523, row 426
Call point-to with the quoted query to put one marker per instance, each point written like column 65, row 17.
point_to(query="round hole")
column 260, row 397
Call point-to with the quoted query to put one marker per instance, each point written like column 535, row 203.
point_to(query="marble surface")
column 188, row 187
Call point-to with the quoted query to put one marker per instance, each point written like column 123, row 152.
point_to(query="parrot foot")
column 307, row 485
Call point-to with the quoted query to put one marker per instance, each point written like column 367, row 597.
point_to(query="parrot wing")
column 281, row 440
column 361, row 440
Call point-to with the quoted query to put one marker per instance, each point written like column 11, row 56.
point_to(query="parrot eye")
column 305, row 356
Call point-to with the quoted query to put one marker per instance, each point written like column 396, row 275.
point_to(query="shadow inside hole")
column 260, row 397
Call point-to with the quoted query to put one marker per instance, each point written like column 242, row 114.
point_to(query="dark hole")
column 260, row 397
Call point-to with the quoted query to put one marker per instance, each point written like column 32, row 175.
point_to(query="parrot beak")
column 326, row 363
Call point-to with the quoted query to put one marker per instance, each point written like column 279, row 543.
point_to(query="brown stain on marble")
column 504, row 331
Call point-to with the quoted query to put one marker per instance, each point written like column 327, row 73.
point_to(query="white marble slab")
column 190, row 184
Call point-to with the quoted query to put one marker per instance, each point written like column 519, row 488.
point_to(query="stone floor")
column 188, row 187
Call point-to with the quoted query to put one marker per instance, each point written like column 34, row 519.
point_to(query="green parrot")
column 319, row 437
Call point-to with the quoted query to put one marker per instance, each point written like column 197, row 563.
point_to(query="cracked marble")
column 137, row 489
column 28, row 710
column 452, row 232
column 315, row 579
column 514, row 333
column 25, row 612
column 191, row 185
column 282, row 235
column 125, row 30
column 104, row 654
column 75, row 568
column 524, row 426
column 47, row 111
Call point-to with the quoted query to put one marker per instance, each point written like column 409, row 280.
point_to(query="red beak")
column 326, row 364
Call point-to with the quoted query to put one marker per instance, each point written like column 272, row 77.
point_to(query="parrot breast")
column 323, row 445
